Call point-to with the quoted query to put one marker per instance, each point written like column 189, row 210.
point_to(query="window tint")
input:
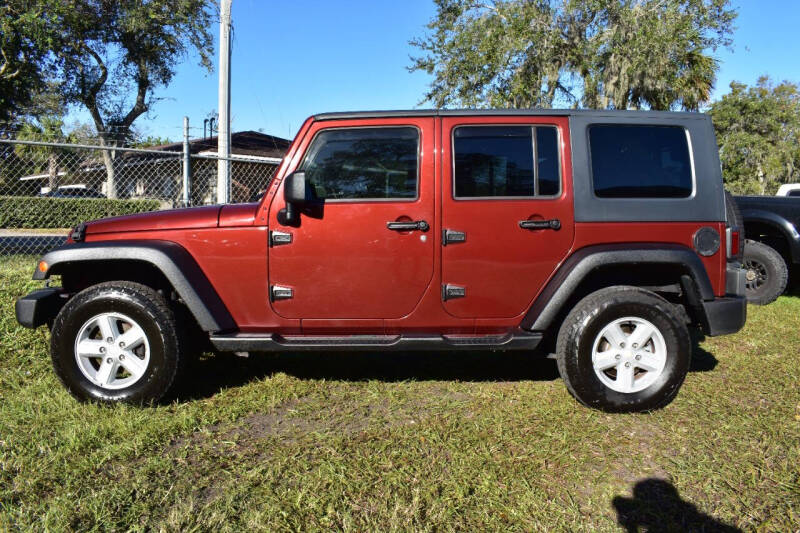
column 499, row 161
column 363, row 163
column 547, row 159
column 794, row 192
column 640, row 162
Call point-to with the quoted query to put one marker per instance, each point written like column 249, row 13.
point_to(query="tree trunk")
column 52, row 172
column 108, row 161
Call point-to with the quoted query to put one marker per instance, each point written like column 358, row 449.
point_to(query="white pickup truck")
column 789, row 189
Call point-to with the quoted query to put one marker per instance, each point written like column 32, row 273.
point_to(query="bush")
column 38, row 212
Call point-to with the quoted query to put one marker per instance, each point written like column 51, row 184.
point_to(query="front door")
column 507, row 211
column 368, row 251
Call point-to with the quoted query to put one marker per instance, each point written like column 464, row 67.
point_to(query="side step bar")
column 271, row 342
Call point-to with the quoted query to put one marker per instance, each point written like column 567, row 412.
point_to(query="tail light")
column 736, row 247
column 734, row 242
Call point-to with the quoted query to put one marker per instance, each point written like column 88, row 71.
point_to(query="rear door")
column 507, row 211
column 352, row 260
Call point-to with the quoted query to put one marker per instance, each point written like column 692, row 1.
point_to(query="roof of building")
column 246, row 143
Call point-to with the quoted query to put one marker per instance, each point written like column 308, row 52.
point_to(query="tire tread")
column 153, row 303
column 772, row 258
column 619, row 294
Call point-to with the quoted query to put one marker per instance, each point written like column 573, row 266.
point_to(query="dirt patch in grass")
column 301, row 419
column 257, row 438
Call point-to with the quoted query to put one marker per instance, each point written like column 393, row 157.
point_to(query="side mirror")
column 294, row 193
column 294, row 189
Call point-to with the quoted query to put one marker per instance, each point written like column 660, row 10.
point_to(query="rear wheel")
column 623, row 349
column 766, row 274
column 116, row 342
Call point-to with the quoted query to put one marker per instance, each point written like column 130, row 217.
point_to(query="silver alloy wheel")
column 629, row 355
column 112, row 351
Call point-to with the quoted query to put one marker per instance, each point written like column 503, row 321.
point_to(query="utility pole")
column 224, row 125
column 187, row 164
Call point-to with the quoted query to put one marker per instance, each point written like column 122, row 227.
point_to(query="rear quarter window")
column 640, row 161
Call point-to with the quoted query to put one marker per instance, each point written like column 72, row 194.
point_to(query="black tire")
column 584, row 325
column 150, row 312
column 767, row 274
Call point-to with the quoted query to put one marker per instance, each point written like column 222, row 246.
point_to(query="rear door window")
column 506, row 162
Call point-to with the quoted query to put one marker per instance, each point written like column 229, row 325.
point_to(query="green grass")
column 472, row 441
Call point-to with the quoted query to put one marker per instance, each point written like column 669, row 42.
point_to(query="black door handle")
column 553, row 224
column 420, row 225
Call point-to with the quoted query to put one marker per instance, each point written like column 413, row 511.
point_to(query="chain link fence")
column 46, row 188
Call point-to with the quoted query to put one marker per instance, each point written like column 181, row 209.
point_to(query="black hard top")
column 706, row 204
column 504, row 112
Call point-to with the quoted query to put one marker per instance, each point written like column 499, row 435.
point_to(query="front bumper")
column 39, row 307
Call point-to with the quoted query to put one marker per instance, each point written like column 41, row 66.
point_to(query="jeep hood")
column 188, row 218
column 210, row 216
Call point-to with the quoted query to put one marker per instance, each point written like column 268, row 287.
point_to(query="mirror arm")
column 291, row 212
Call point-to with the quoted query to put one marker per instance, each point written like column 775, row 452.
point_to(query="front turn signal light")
column 42, row 267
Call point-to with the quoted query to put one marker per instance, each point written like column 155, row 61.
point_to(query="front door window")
column 364, row 164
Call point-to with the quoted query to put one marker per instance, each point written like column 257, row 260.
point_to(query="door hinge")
column 276, row 292
column 277, row 238
column 451, row 292
column 450, row 236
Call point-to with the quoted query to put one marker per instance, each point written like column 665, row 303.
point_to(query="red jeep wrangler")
column 600, row 236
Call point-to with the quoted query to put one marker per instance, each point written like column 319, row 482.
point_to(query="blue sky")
column 294, row 59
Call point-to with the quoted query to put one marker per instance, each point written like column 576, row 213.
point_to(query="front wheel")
column 116, row 342
column 623, row 349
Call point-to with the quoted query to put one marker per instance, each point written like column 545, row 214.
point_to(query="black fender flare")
column 583, row 262
column 785, row 227
column 171, row 259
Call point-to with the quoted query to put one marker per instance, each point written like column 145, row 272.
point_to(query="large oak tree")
column 109, row 56
column 621, row 54
column 758, row 132
column 23, row 59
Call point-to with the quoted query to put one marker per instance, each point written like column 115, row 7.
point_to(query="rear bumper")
column 39, row 307
column 724, row 315
column 735, row 280
column 727, row 315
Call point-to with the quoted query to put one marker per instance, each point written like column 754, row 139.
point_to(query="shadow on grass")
column 702, row 359
column 657, row 506
column 211, row 374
